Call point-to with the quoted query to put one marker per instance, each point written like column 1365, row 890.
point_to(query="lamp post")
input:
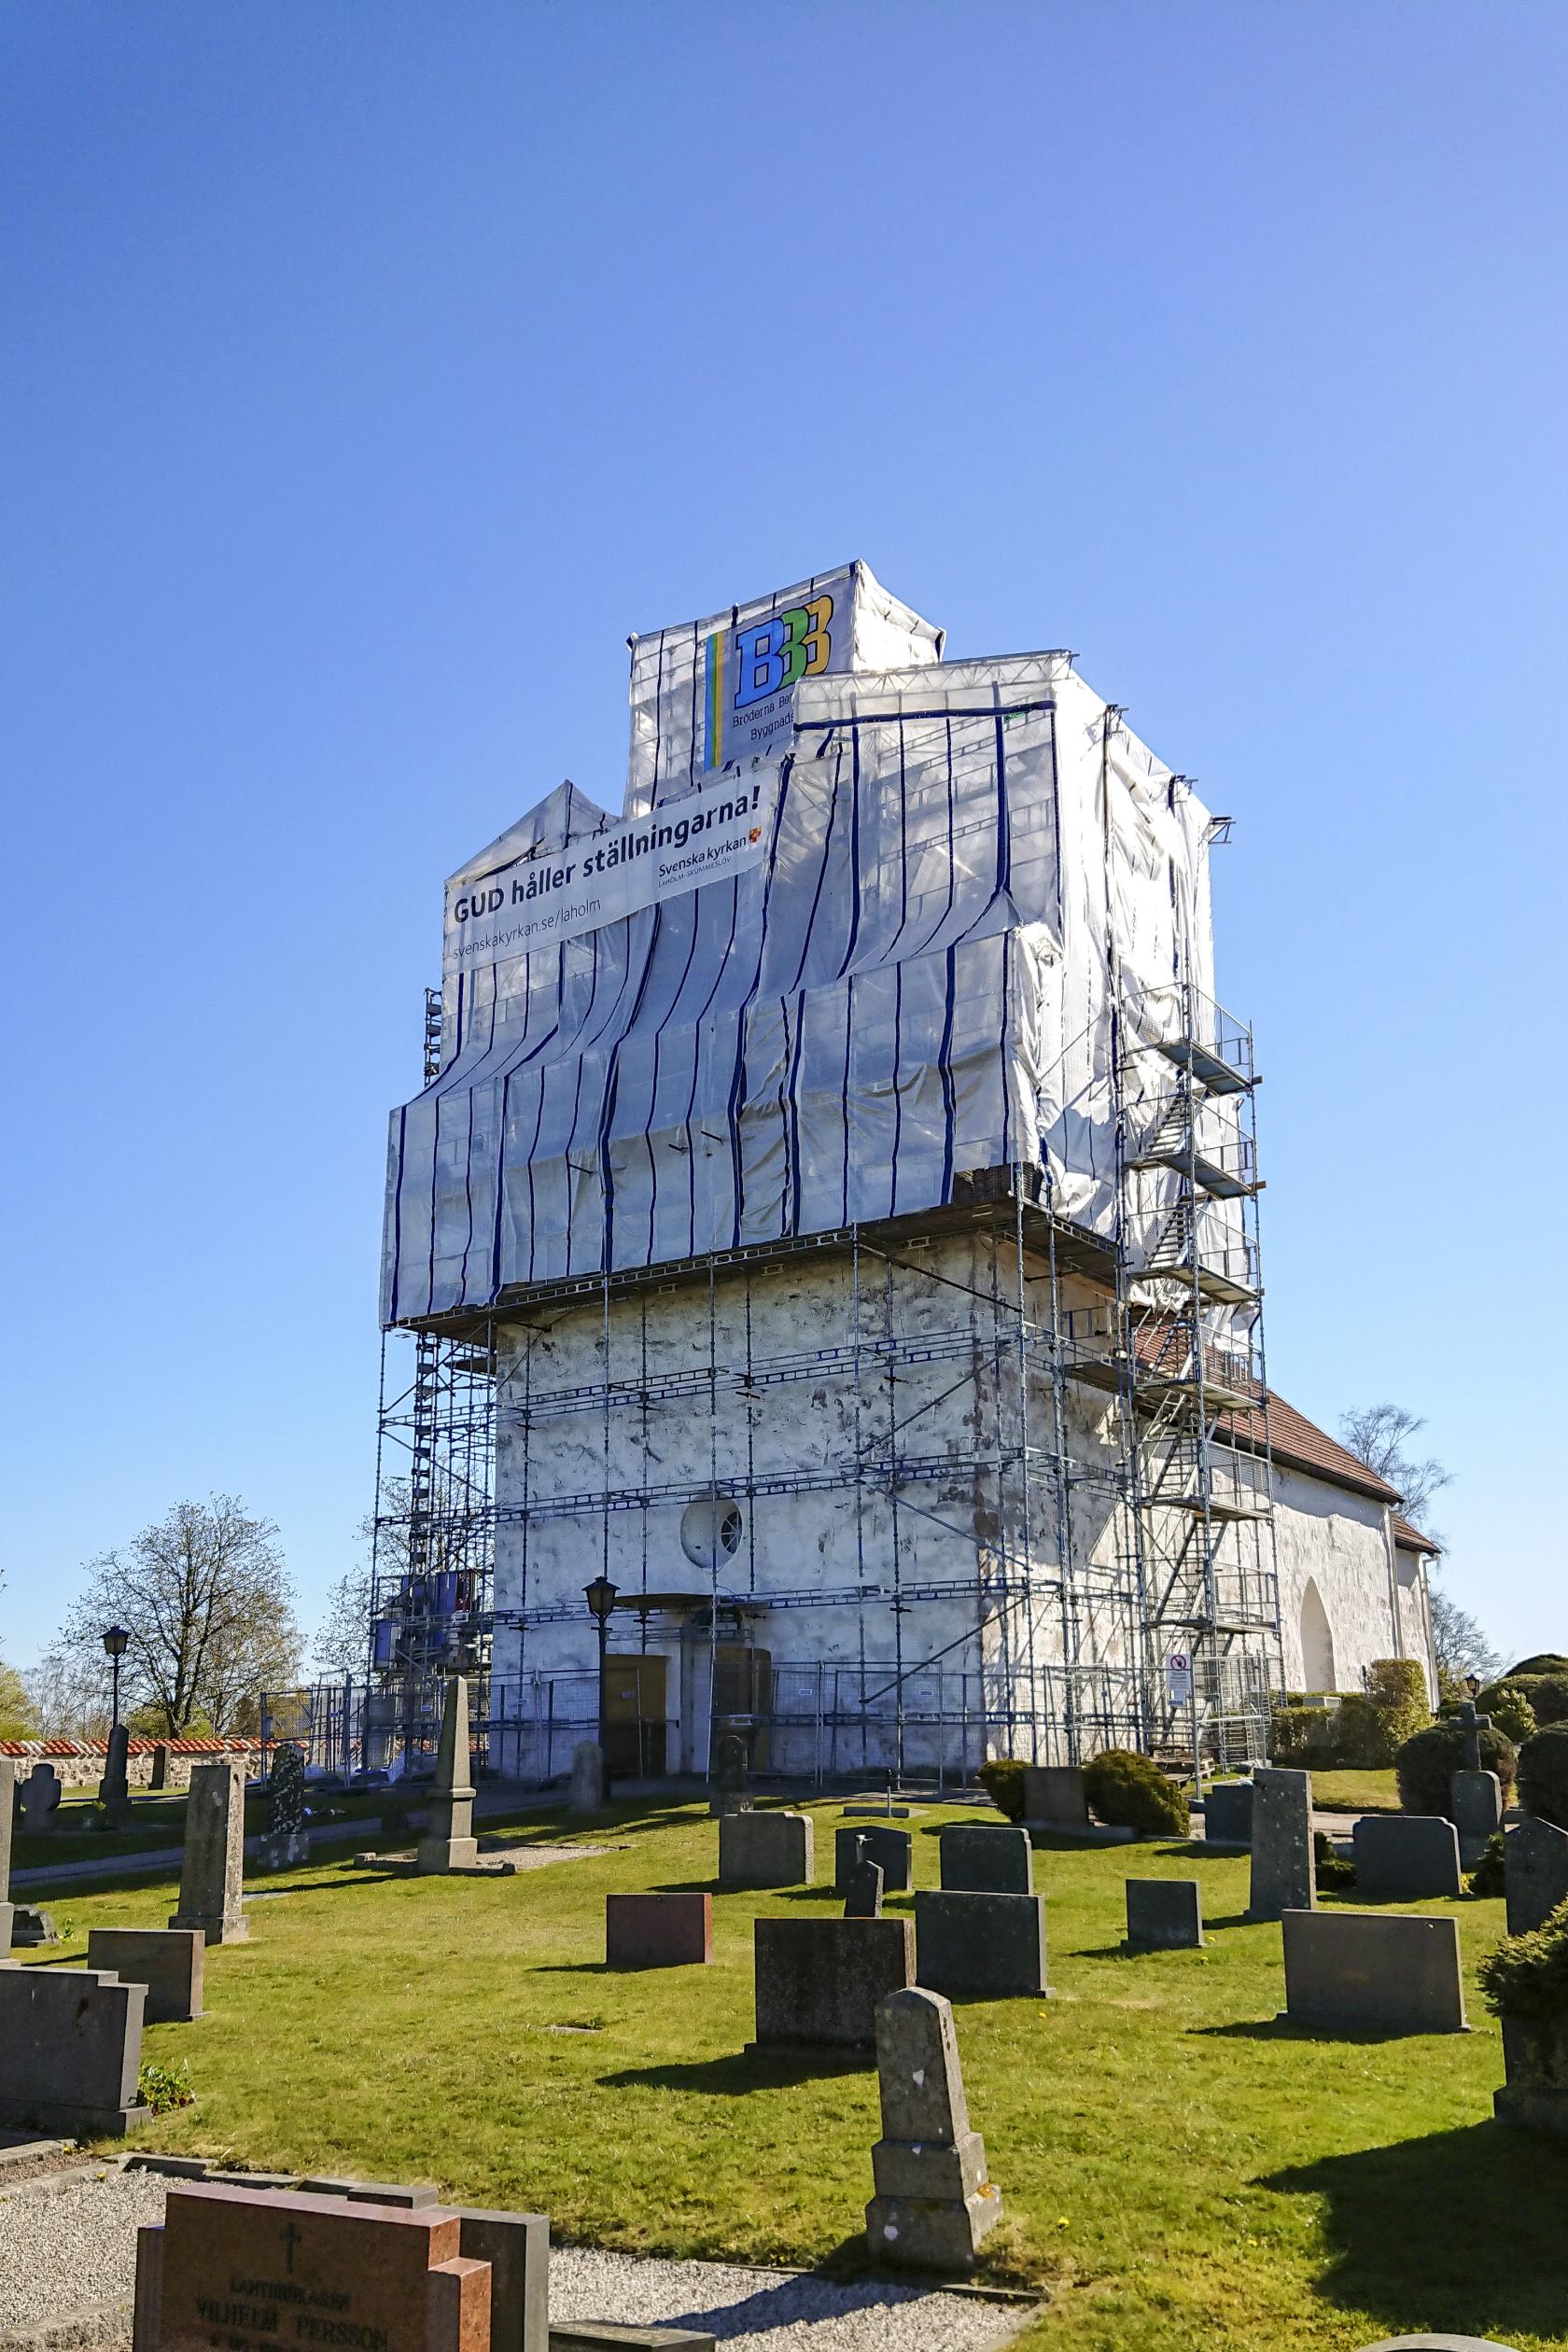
column 117, row 1640
column 1473, row 1684
column 600, row 1597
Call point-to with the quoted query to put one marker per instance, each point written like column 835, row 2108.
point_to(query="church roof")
column 1410, row 1538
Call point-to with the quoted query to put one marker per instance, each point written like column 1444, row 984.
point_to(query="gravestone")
column 211, row 1874
column 1477, row 1800
column 986, row 1861
column 159, row 1774
column 864, row 1895
column 30, row 1926
column 1472, row 1724
column 447, row 1841
column 1437, row 2343
column 166, row 1960
column 1406, row 1857
column 731, row 1775
column 8, row 1806
column 254, row 2266
column 765, row 1849
column 989, row 1945
column 933, row 2203
column 70, row 2051
column 114, row 1788
column 39, row 1799
column 820, row 1981
column 1227, row 1814
column 1283, row 1878
column 1054, row 1796
column 1355, row 1970
column 516, row 2245
column 286, row 1844
column 892, row 1850
column 1535, row 1874
column 1164, row 1915
column 585, row 1793
column 658, row 1931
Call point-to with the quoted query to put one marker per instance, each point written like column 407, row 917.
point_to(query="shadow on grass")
column 1460, row 2231
column 1284, row 2029
column 740, row 2071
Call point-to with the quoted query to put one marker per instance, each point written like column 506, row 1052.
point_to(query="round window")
column 710, row 1530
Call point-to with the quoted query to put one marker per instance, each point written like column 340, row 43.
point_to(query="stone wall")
column 80, row 1763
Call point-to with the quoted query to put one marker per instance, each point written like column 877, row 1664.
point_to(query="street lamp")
column 117, row 1640
column 1472, row 1683
column 600, row 1597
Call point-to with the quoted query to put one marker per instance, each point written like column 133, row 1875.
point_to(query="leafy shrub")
column 1487, row 1876
column 1541, row 1683
column 1426, row 1763
column 1542, row 1774
column 161, row 2088
column 1003, row 1784
column 1330, row 1868
column 1396, row 1695
column 1548, row 1662
column 1525, row 1978
column 1547, row 1695
column 1131, row 1792
column 1510, row 1709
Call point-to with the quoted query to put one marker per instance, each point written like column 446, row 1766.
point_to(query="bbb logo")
column 751, row 667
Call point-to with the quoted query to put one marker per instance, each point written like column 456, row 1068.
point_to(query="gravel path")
column 69, row 2243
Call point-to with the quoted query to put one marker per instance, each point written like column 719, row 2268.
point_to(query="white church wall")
column 1337, row 1540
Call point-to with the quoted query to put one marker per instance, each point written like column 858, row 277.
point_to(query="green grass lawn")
column 1356, row 1792
column 1179, row 2169
column 157, row 1821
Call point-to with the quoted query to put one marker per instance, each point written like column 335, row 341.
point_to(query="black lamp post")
column 600, row 1597
column 1472, row 1683
column 117, row 1640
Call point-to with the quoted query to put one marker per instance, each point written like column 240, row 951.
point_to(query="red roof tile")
column 1301, row 1444
column 1410, row 1538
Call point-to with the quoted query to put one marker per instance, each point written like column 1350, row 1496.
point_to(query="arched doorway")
column 1317, row 1642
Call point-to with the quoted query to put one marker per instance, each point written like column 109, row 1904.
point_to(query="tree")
column 19, row 1717
column 69, row 1690
column 1378, row 1435
column 341, row 1641
column 1459, row 1645
column 209, row 1607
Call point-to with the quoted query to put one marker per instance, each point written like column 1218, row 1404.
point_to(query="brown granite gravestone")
column 252, row 2271
column 658, row 1931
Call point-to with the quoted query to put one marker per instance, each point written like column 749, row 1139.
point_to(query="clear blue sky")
column 373, row 367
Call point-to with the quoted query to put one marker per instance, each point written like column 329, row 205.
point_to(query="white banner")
column 716, row 831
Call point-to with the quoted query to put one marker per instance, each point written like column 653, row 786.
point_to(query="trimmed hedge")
column 1426, row 1764
column 1130, row 1792
column 1003, row 1784
column 1487, row 1877
column 1542, row 1774
column 1510, row 1709
column 1548, row 1662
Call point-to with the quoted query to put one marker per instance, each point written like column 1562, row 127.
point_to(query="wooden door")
column 634, row 1716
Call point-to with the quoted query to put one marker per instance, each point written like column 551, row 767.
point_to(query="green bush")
column 1487, row 1876
column 1329, row 1869
column 1510, row 1709
column 1397, row 1696
column 1003, row 1784
column 1542, row 1774
column 161, row 2088
column 1426, row 1763
column 1548, row 1662
column 1130, row 1792
column 1547, row 1695
column 1525, row 1978
column 1301, row 1735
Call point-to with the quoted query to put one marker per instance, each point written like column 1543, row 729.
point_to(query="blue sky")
column 373, row 367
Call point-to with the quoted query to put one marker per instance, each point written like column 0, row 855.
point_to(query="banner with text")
column 719, row 830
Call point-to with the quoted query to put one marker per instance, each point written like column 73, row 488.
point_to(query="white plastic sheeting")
column 915, row 982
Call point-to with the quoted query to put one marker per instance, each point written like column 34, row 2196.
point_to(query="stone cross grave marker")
column 1535, row 1874
column 252, row 2269
column 933, row 2203
column 1472, row 1724
column 287, row 1842
column 1283, row 1877
column 39, row 1799
column 7, row 1804
column 211, row 1874
column 448, row 1842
